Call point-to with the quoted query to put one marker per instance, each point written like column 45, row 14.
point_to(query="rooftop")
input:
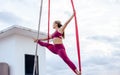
column 24, row 31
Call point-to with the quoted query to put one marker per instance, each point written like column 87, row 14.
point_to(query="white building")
column 17, row 49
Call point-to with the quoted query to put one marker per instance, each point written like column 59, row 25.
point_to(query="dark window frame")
column 29, row 66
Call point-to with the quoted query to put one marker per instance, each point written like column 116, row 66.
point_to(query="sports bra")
column 57, row 34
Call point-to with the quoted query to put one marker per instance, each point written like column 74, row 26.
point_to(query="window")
column 29, row 63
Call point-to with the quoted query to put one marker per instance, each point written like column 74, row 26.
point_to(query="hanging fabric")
column 35, row 68
column 77, row 36
column 48, row 20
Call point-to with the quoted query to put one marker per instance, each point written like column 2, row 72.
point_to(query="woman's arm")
column 66, row 23
column 42, row 39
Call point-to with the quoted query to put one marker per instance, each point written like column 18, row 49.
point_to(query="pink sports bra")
column 57, row 34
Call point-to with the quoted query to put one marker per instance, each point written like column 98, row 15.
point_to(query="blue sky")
column 99, row 30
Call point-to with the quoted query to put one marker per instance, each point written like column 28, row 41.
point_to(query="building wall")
column 13, row 50
column 7, row 52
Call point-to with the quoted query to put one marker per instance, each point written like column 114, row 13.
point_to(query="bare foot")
column 79, row 73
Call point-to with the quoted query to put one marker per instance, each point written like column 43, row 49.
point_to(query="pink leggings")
column 60, row 50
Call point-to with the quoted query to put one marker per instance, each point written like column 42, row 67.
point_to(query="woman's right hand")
column 35, row 40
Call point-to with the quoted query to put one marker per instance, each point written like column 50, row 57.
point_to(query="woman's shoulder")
column 60, row 30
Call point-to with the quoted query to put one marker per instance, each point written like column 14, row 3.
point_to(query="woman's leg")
column 64, row 56
column 49, row 46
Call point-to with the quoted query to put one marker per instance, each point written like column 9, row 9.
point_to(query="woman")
column 58, row 47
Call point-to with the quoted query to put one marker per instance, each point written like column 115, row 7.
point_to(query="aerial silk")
column 76, row 31
column 77, row 36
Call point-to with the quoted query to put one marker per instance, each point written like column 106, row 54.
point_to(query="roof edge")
column 20, row 30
